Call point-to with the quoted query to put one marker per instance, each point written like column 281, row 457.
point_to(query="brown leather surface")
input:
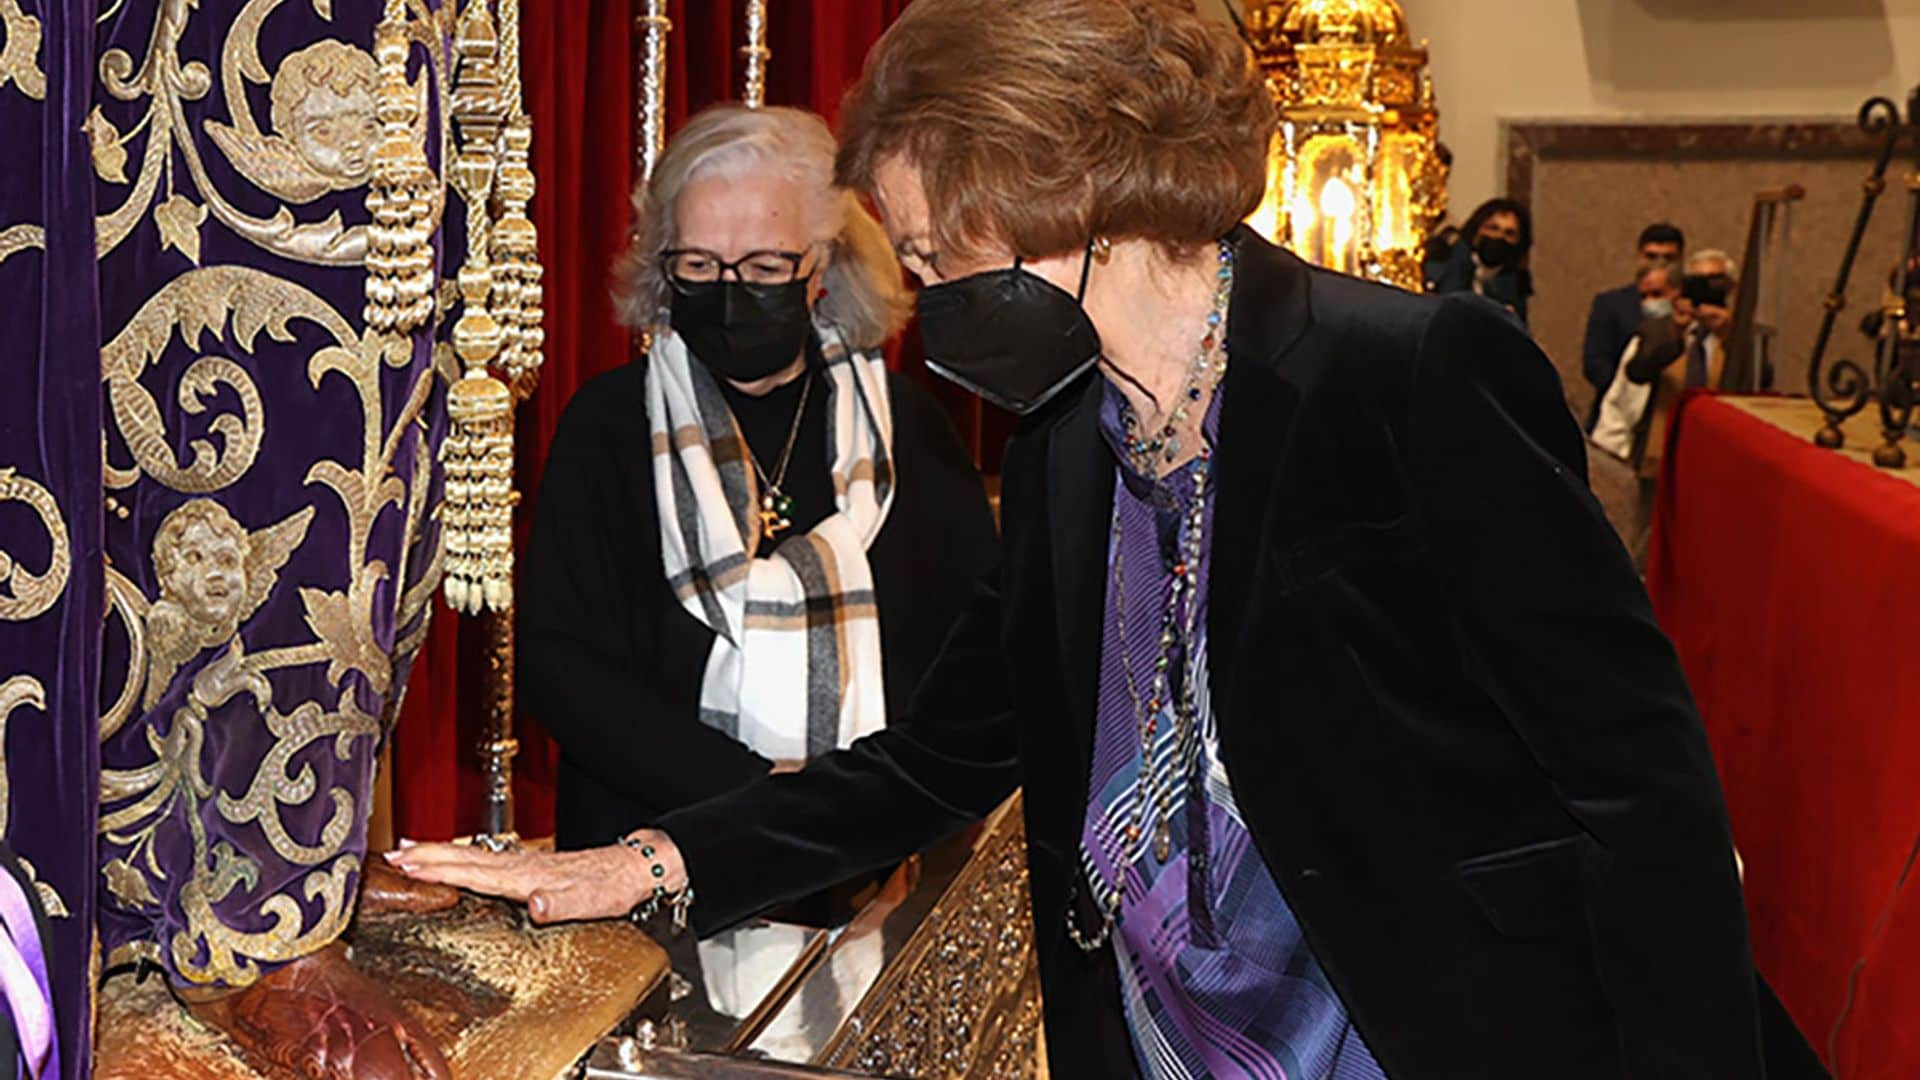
column 321, row 1018
column 386, row 891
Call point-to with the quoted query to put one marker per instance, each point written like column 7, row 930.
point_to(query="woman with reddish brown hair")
column 1350, row 745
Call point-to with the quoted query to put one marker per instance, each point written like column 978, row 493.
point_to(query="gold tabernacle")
column 1355, row 182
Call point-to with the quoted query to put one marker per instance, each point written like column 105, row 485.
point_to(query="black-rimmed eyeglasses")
column 695, row 266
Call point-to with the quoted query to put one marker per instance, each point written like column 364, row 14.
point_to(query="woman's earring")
column 1102, row 249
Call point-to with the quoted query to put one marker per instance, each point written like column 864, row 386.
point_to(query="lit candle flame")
column 1337, row 206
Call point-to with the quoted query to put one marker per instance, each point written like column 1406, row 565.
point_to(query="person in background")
column 1615, row 316
column 1680, row 346
column 1490, row 258
column 775, row 585
column 1624, row 414
column 1712, row 281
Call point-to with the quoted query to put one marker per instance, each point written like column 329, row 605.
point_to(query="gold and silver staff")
column 754, row 95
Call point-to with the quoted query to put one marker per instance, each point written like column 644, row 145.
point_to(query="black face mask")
column 1009, row 336
column 742, row 332
column 1496, row 252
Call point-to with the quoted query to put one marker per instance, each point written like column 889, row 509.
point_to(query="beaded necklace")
column 1149, row 452
column 1153, row 787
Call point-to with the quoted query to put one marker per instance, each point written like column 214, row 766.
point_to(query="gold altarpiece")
column 1355, row 180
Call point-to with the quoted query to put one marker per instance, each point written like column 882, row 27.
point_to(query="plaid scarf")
column 795, row 668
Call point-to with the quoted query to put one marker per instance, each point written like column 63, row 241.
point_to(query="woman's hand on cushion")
column 557, row 886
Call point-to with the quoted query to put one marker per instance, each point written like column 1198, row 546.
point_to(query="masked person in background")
column 1615, row 315
column 1490, row 258
column 1624, row 414
column 1349, row 745
column 1680, row 346
column 749, row 543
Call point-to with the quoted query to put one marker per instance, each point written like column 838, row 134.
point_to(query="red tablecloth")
column 1789, row 578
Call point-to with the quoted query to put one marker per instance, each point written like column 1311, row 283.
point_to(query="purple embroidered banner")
column 268, row 472
column 50, row 499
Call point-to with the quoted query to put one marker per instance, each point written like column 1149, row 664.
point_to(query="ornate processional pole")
column 650, row 130
column 498, row 341
column 754, row 93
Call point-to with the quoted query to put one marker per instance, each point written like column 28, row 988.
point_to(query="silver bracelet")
column 677, row 902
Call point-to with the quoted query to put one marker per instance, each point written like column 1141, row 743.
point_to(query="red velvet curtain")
column 577, row 58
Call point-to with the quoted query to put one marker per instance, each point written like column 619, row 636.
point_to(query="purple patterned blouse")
column 1216, row 976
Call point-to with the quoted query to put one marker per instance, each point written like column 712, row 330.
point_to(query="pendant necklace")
column 1151, row 808
column 1153, row 786
column 776, row 506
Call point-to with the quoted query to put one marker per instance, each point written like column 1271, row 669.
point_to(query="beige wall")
column 1651, row 60
column 1588, row 212
column 1496, row 61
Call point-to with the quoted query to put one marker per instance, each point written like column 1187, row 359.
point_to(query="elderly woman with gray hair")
column 750, row 541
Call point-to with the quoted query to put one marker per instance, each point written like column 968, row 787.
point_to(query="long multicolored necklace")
column 1149, row 452
column 1153, row 787
column 776, row 506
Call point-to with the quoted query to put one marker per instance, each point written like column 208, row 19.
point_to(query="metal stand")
column 1844, row 388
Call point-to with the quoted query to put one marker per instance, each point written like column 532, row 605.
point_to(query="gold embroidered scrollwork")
column 20, row 51
column 197, row 303
column 15, row 692
column 214, row 575
column 174, row 786
column 274, row 785
column 17, row 238
column 27, row 595
column 338, row 118
column 322, row 139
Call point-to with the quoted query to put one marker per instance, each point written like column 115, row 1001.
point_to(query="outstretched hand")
column 557, row 886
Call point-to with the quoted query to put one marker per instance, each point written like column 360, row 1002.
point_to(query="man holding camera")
column 1680, row 345
column 1685, row 351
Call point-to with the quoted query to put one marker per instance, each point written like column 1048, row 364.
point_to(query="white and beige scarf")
column 795, row 669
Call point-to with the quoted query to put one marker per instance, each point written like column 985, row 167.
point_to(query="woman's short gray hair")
column 864, row 295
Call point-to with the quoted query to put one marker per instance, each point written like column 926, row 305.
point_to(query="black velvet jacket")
column 1463, row 746
column 611, row 663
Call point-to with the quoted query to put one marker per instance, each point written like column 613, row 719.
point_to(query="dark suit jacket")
column 1610, row 325
column 1462, row 745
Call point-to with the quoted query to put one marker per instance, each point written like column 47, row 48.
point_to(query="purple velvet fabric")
column 50, row 465
column 258, row 640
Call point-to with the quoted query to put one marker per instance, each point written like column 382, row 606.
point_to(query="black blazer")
column 1611, row 323
column 1462, row 744
column 611, row 664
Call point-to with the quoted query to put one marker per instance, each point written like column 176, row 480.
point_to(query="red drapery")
column 1780, row 570
column 577, row 58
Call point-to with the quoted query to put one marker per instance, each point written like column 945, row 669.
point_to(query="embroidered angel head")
column 213, row 575
column 324, row 124
column 323, row 102
column 200, row 556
